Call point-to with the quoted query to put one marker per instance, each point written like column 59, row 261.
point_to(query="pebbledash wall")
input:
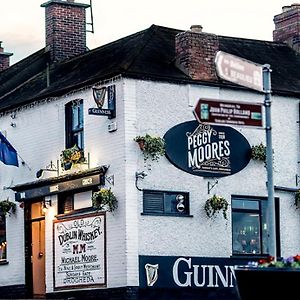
column 134, row 239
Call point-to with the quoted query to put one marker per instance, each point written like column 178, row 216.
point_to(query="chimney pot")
column 196, row 28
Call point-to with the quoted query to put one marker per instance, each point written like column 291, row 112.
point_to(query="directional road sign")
column 240, row 71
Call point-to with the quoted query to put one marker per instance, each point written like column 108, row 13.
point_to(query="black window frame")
column 63, row 200
column 258, row 210
column 163, row 203
column 72, row 132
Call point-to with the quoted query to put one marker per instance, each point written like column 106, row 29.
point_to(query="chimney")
column 195, row 53
column 287, row 26
column 65, row 28
column 4, row 58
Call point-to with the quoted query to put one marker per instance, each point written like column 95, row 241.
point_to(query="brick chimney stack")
column 287, row 26
column 195, row 53
column 4, row 58
column 65, row 28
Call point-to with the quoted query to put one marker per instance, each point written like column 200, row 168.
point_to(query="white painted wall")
column 147, row 107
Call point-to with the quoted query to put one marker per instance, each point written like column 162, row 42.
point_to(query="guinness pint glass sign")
column 206, row 150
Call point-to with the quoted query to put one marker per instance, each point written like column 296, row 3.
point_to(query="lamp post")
column 269, row 161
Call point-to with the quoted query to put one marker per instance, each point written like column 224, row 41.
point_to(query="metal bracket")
column 110, row 179
column 210, row 186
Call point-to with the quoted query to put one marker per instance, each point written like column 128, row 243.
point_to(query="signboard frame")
column 76, row 224
column 233, row 113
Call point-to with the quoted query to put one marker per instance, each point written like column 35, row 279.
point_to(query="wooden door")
column 38, row 250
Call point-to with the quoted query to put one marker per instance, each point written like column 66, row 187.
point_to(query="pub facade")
column 94, row 214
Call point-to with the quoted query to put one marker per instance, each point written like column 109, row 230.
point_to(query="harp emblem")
column 151, row 274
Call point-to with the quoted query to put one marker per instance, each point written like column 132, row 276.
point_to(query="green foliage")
column 214, row 205
column 258, row 152
column 104, row 199
column 6, row 207
column 152, row 146
column 72, row 155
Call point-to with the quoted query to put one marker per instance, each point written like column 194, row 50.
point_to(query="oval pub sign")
column 205, row 150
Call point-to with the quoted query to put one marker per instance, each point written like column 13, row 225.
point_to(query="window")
column 3, row 244
column 249, row 225
column 74, row 124
column 165, row 203
column 65, row 203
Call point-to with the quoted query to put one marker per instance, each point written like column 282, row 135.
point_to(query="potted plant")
column 258, row 152
column 7, row 207
column 268, row 278
column 104, row 199
column 152, row 146
column 214, row 205
column 71, row 156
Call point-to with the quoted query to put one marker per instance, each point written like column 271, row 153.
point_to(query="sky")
column 22, row 23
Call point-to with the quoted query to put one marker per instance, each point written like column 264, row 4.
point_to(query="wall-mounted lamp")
column 46, row 204
column 180, row 205
column 138, row 175
column 50, row 168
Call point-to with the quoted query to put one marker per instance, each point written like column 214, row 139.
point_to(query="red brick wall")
column 65, row 30
column 287, row 26
column 195, row 54
column 4, row 59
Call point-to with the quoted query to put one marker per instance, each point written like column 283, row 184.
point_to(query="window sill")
column 167, row 215
column 3, row 262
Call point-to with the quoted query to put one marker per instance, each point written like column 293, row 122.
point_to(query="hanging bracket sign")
column 103, row 95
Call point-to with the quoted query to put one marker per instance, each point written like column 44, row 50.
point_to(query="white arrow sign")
column 240, row 71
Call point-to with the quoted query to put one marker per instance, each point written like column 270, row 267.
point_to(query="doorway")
column 35, row 249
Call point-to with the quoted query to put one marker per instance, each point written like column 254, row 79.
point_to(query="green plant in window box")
column 71, row 156
column 153, row 147
column 258, row 152
column 104, row 199
column 7, row 207
column 214, row 205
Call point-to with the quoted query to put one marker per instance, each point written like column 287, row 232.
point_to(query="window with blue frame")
column 74, row 124
column 249, row 225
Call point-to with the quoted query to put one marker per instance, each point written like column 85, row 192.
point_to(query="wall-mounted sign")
column 207, row 150
column 79, row 252
column 225, row 112
column 105, row 95
column 198, row 277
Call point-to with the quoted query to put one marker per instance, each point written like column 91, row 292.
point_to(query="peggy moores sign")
column 79, row 252
column 205, row 150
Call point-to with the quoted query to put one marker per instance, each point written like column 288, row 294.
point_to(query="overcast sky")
column 22, row 28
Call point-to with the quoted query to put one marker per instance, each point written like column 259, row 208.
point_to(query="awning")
column 79, row 181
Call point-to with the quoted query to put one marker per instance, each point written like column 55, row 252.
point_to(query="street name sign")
column 228, row 112
column 239, row 70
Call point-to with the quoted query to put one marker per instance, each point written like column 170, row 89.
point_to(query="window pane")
column 245, row 204
column 246, row 233
column 3, row 243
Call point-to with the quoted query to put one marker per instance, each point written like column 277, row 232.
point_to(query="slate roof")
column 148, row 54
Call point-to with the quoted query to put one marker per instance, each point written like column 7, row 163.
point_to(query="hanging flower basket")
column 7, row 207
column 214, row 205
column 258, row 152
column 153, row 147
column 71, row 156
column 104, row 199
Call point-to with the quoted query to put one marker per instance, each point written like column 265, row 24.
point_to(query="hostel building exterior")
column 159, row 242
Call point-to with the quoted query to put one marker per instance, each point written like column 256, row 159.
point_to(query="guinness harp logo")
column 99, row 95
column 151, row 274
